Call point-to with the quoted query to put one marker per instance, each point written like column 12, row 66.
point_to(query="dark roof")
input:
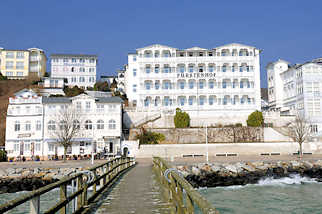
column 73, row 55
column 56, row 100
column 109, row 100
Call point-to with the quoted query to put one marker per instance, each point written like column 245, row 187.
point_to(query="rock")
column 206, row 168
column 318, row 163
column 295, row 164
column 11, row 171
column 308, row 165
column 195, row 170
column 249, row 168
column 231, row 168
column 215, row 168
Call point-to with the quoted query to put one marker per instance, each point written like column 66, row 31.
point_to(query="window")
column 38, row 147
column 181, row 101
column 191, row 85
column 91, row 79
column 134, row 58
column 166, row 54
column 190, row 101
column 211, row 84
column 181, row 69
column 134, row 72
column 201, row 101
column 51, row 147
column 201, row 84
column 78, row 106
column 88, row 124
column 157, row 85
column 225, row 100
column 241, row 84
column 20, row 55
column 241, row 69
column 91, row 69
column 146, row 102
column 81, row 69
column 19, row 74
column 147, row 85
column 10, row 55
column 38, row 125
column 134, row 88
column 100, row 124
column 100, row 107
column 111, row 124
column 166, row 101
column 9, row 64
column 166, row 70
column 9, row 73
column 224, row 84
column 27, row 147
column 88, row 106
column 190, row 53
column 76, row 124
column 81, row 60
column 156, row 69
column 73, row 60
column 181, row 85
column 166, row 85
column 65, row 60
column 28, row 109
column 190, row 69
column 200, row 53
column 28, row 125
column 92, row 60
column 147, row 70
column 81, row 79
column 211, row 68
column 51, row 125
column 211, row 101
column 224, row 68
column 210, row 54
column 63, row 125
column 200, row 68
column 17, row 126
column 20, row 65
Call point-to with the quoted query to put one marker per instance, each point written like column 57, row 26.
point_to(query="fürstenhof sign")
column 196, row 75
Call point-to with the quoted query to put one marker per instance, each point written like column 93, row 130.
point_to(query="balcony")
column 34, row 58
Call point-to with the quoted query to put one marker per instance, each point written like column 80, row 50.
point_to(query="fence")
column 98, row 177
column 178, row 191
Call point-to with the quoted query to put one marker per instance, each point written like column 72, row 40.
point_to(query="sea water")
column 293, row 194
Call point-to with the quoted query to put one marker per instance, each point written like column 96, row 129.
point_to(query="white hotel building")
column 32, row 118
column 78, row 69
column 297, row 89
column 219, row 85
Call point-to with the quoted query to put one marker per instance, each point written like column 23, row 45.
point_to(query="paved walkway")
column 136, row 192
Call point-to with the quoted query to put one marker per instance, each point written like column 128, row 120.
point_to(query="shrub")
column 181, row 119
column 3, row 156
column 72, row 92
column 2, row 77
column 238, row 125
column 255, row 119
column 148, row 137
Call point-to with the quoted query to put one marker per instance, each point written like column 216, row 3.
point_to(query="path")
column 136, row 192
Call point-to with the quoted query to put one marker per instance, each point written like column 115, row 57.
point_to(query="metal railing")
column 183, row 196
column 98, row 177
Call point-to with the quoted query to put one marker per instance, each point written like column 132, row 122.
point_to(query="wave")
column 271, row 181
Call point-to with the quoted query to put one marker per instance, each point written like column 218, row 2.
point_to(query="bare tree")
column 299, row 131
column 69, row 126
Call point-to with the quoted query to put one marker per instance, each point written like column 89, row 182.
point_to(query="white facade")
column 206, row 83
column 79, row 70
column 32, row 119
column 299, row 91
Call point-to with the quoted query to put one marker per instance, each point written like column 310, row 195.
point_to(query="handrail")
column 179, row 190
column 104, row 174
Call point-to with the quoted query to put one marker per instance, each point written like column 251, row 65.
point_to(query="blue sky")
column 285, row 29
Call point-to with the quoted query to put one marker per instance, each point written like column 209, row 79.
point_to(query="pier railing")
column 96, row 178
column 183, row 196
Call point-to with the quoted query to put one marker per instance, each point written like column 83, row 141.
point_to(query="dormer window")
column 200, row 53
column 190, row 53
column 181, row 54
column 210, row 54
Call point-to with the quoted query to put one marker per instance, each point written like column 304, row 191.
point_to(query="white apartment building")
column 79, row 70
column 298, row 90
column 219, row 85
column 31, row 121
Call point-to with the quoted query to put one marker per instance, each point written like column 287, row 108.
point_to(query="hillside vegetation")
column 7, row 89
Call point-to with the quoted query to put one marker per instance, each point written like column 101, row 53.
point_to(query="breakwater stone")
column 28, row 179
column 216, row 174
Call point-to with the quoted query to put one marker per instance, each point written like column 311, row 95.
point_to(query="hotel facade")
column 78, row 69
column 32, row 119
column 219, row 85
column 22, row 64
column 296, row 89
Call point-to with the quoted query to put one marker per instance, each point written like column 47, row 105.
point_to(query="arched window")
column 51, row 125
column 111, row 124
column 211, row 84
column 62, row 125
column 88, row 124
column 76, row 124
column 181, row 84
column 157, row 69
column 148, row 69
column 156, row 54
column 191, row 84
column 211, row 100
column 17, row 126
column 100, row 124
column 157, row 85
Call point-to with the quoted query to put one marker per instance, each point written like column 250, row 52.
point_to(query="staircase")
column 147, row 119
